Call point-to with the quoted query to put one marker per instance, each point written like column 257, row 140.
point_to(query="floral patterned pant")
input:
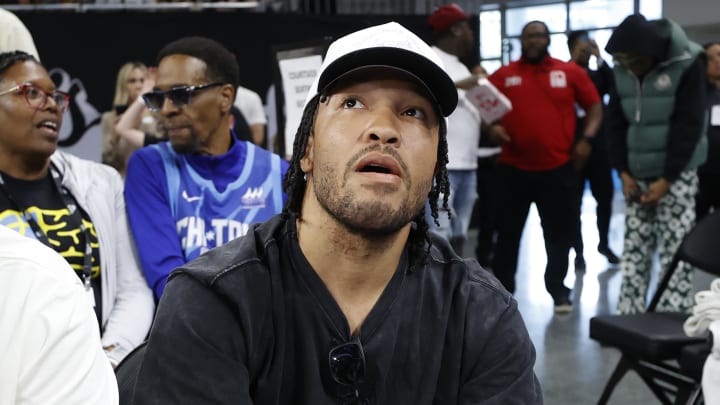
column 660, row 227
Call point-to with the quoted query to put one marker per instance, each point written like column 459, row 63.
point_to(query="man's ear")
column 227, row 96
column 306, row 162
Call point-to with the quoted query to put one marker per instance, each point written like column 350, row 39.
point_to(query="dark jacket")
column 712, row 165
column 251, row 322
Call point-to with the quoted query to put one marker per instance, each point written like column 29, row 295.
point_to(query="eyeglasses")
column 178, row 96
column 37, row 98
column 347, row 367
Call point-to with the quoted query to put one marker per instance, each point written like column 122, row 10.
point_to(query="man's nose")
column 384, row 126
column 168, row 107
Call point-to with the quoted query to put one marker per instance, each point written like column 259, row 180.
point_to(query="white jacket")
column 50, row 351
column 127, row 302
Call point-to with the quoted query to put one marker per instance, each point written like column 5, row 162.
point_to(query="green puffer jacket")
column 649, row 105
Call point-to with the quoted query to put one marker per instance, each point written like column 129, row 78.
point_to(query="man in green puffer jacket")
column 656, row 133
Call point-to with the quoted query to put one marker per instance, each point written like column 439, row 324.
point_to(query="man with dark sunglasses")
column 345, row 298
column 203, row 187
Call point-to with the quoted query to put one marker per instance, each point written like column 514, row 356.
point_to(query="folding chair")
column 126, row 373
column 691, row 361
column 651, row 342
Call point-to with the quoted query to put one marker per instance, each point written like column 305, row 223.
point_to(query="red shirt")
column 541, row 124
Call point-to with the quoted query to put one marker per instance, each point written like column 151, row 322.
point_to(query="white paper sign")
column 297, row 75
column 489, row 101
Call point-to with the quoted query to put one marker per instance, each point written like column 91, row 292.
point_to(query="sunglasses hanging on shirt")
column 347, row 368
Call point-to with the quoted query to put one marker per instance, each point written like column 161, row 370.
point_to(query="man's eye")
column 415, row 112
column 352, row 103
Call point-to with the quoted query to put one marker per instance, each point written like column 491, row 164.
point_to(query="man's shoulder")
column 466, row 272
column 151, row 154
column 511, row 70
column 261, row 151
column 562, row 64
column 568, row 66
column 29, row 260
column 506, row 69
column 264, row 155
column 244, row 253
column 144, row 167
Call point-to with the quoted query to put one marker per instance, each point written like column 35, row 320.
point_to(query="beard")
column 190, row 144
column 368, row 215
column 535, row 58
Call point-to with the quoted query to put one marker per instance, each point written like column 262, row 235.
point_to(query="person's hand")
column 149, row 82
column 498, row 135
column 594, row 49
column 468, row 82
column 656, row 190
column 479, row 71
column 581, row 153
column 631, row 191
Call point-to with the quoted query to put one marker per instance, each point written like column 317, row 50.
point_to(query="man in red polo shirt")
column 540, row 156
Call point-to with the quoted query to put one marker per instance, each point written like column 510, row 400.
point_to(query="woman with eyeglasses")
column 72, row 205
column 132, row 81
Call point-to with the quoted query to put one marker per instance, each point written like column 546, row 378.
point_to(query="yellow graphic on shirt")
column 61, row 231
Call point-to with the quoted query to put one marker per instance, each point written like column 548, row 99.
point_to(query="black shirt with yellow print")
column 42, row 200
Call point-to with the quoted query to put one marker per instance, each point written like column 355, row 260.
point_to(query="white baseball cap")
column 393, row 46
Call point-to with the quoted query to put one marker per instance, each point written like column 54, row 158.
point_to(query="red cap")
column 445, row 16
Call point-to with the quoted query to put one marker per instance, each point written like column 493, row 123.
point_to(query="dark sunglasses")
column 37, row 98
column 178, row 96
column 347, row 367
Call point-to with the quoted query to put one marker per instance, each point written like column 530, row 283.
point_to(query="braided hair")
column 7, row 59
column 295, row 181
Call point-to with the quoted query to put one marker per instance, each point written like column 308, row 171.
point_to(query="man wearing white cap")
column 344, row 298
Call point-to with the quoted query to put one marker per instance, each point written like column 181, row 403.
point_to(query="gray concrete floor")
column 572, row 368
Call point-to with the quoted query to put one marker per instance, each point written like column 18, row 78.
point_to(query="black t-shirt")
column 41, row 199
column 250, row 322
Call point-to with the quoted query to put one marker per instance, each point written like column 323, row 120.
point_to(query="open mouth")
column 377, row 163
column 374, row 168
column 49, row 125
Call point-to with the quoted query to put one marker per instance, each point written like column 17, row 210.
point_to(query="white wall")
column 699, row 18
column 692, row 12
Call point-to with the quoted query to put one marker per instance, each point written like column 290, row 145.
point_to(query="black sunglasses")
column 178, row 96
column 347, row 367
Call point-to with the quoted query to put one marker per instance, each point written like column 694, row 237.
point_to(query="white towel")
column 705, row 311
column 711, row 370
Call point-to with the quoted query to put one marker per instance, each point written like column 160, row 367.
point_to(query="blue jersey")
column 181, row 205
column 206, row 216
